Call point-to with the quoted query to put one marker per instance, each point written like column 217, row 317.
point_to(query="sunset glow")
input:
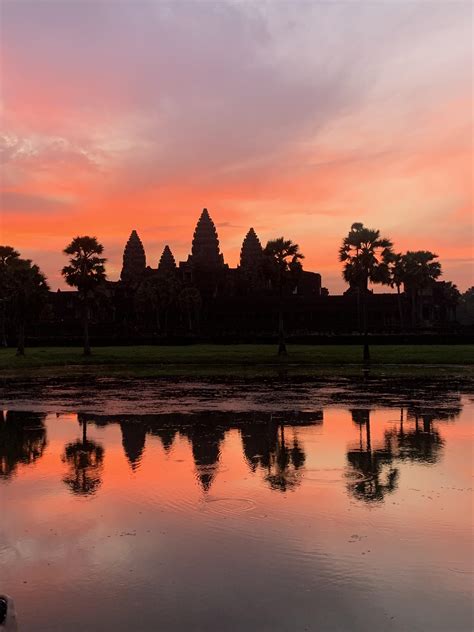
column 294, row 118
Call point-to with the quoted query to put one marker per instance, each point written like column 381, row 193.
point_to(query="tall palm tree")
column 85, row 272
column 397, row 276
column 420, row 270
column 366, row 257
column 284, row 266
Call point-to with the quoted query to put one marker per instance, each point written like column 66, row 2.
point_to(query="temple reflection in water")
column 272, row 445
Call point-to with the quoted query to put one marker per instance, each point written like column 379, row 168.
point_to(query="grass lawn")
column 197, row 360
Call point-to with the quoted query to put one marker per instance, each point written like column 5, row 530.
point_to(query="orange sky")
column 293, row 120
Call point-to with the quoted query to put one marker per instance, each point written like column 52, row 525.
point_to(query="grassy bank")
column 206, row 360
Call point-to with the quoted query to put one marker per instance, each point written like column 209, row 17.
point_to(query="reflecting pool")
column 262, row 513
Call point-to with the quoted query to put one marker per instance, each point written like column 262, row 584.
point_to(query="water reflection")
column 133, row 441
column 270, row 443
column 205, row 440
column 299, row 506
column 22, row 440
column 371, row 471
column 84, row 458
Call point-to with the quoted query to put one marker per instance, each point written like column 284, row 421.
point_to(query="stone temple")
column 205, row 268
column 204, row 298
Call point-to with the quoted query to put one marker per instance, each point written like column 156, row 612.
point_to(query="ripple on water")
column 325, row 475
column 227, row 506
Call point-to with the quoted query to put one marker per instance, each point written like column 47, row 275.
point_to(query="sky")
column 296, row 118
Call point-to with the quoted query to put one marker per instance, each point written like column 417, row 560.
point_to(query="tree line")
column 370, row 258
column 367, row 258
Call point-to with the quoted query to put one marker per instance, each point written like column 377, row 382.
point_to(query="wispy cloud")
column 294, row 117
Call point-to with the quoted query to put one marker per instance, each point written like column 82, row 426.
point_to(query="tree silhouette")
column 397, row 276
column 366, row 257
column 466, row 311
column 283, row 258
column 420, row 270
column 84, row 458
column 22, row 440
column 85, row 272
column 450, row 298
column 8, row 258
column 25, row 288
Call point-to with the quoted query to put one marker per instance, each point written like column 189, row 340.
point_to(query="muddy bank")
column 93, row 394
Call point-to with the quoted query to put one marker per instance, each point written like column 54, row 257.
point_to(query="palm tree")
column 397, row 276
column 283, row 258
column 85, row 271
column 366, row 257
column 420, row 270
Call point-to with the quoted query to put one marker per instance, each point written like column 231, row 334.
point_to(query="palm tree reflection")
column 371, row 473
column 417, row 438
column 266, row 446
column 84, row 458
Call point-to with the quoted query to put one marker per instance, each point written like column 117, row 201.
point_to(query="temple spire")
column 251, row 252
column 134, row 259
column 205, row 248
column 167, row 264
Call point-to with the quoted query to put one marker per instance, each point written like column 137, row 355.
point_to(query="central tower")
column 205, row 249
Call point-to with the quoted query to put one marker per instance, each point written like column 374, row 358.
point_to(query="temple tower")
column 134, row 259
column 205, row 248
column 251, row 253
column 167, row 264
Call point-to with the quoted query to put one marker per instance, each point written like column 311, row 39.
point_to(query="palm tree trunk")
column 400, row 310
column 282, row 350
column 85, row 325
column 366, row 355
column 21, row 338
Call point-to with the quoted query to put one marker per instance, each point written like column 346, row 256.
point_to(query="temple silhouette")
column 270, row 443
column 203, row 297
column 205, row 268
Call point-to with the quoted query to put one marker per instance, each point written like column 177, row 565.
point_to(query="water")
column 320, row 507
